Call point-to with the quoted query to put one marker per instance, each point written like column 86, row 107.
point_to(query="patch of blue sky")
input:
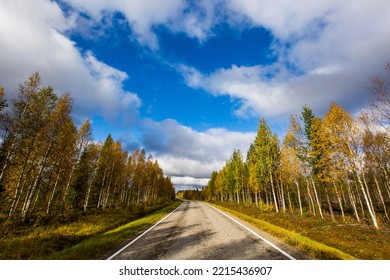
column 228, row 46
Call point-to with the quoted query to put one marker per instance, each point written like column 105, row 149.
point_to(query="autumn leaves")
column 338, row 163
column 48, row 166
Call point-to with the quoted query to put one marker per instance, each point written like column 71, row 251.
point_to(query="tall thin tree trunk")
column 274, row 194
column 34, row 186
column 370, row 210
column 35, row 200
column 299, row 198
column 282, row 197
column 366, row 197
column 339, row 200
column 18, row 192
column 329, row 204
column 106, row 197
column 289, row 202
column 361, row 205
column 381, row 197
column 67, row 186
column 90, row 182
column 316, row 196
column 53, row 193
column 11, row 149
column 369, row 195
column 312, row 207
column 85, row 206
column 256, row 199
column 6, row 160
column 353, row 201
column 386, row 179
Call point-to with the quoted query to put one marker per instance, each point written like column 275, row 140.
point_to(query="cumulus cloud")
column 185, row 183
column 189, row 156
column 273, row 92
column 194, row 18
column 248, row 86
column 198, row 19
column 287, row 19
column 32, row 39
column 141, row 15
column 326, row 51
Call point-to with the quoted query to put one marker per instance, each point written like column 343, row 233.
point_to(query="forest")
column 335, row 165
column 49, row 167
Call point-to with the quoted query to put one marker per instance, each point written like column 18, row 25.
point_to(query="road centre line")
column 132, row 242
column 254, row 233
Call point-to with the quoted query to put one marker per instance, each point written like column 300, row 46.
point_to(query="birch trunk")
column 310, row 199
column 18, row 193
column 299, row 198
column 53, row 193
column 256, row 199
column 366, row 197
column 369, row 195
column 353, row 201
column 370, row 210
column 317, row 200
column 274, row 194
column 32, row 189
column 381, row 197
column 339, row 200
column 289, row 203
column 90, row 182
column 282, row 197
column 329, row 204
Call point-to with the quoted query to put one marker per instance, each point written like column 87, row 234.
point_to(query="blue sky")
column 189, row 80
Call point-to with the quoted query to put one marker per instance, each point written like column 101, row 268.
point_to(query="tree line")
column 191, row 194
column 335, row 164
column 48, row 165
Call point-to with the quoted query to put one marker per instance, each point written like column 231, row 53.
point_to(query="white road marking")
column 254, row 233
column 132, row 242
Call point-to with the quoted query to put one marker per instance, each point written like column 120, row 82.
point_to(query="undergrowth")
column 45, row 237
column 320, row 238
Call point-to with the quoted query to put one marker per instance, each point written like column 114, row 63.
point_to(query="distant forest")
column 335, row 165
column 48, row 166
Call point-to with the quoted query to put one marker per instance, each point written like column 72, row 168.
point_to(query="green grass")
column 100, row 246
column 320, row 239
column 90, row 236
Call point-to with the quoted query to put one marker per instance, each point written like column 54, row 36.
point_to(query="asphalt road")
column 197, row 231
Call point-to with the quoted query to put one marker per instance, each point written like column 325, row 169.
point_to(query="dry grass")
column 358, row 240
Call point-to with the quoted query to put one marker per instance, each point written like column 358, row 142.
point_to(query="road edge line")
column 145, row 232
column 254, row 233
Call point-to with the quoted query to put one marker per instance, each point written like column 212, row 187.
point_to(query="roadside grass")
column 101, row 245
column 320, row 239
column 89, row 236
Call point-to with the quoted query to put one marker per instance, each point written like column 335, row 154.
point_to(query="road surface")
column 198, row 231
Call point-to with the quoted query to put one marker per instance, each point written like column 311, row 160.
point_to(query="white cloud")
column 326, row 51
column 197, row 21
column 355, row 34
column 194, row 18
column 256, row 93
column 142, row 16
column 31, row 39
column 273, row 92
column 287, row 19
column 187, row 181
column 185, row 153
